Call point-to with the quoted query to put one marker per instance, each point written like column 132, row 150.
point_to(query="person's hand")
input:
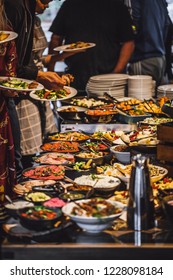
column 50, row 80
column 67, row 79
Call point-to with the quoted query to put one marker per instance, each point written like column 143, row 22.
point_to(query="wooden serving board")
column 165, row 152
column 165, row 132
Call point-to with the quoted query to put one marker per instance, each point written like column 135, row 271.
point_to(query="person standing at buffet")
column 40, row 44
column 35, row 117
column 21, row 14
column 105, row 23
column 8, row 58
column 151, row 20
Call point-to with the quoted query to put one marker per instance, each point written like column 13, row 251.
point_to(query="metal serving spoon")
column 9, row 199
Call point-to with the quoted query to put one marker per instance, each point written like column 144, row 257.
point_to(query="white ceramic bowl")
column 12, row 208
column 92, row 224
column 121, row 156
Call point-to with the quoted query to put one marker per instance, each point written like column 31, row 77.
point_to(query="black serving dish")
column 101, row 160
column 15, row 231
column 37, row 197
column 128, row 119
column 66, row 113
column 46, row 172
column 84, row 189
column 100, row 118
column 72, row 196
column 40, row 224
column 75, row 102
column 59, row 158
column 167, row 108
column 51, row 189
column 94, row 144
column 164, row 192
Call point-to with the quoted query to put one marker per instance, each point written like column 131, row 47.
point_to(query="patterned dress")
column 7, row 158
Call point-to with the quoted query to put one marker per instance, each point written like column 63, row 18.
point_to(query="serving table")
column 72, row 243
column 116, row 243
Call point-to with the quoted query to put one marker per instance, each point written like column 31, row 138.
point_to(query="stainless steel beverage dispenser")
column 140, row 211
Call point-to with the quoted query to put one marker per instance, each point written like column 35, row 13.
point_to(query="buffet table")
column 69, row 242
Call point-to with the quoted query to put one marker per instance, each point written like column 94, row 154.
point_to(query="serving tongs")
column 79, row 205
column 83, row 148
column 49, row 188
column 9, row 199
column 106, row 142
column 115, row 101
column 67, row 179
column 110, row 97
column 146, row 102
column 121, row 171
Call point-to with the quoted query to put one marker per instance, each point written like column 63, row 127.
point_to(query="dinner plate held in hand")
column 19, row 84
column 8, row 36
column 67, row 48
column 73, row 92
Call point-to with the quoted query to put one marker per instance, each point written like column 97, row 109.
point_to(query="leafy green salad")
column 52, row 94
column 16, row 83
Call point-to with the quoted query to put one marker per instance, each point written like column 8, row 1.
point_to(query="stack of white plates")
column 114, row 84
column 165, row 90
column 140, row 86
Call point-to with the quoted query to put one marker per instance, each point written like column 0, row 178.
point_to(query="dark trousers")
column 16, row 135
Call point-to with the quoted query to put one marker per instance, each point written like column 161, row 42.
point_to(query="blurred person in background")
column 168, row 55
column 105, row 23
column 151, row 21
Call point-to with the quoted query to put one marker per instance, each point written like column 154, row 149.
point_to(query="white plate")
column 165, row 88
column 108, row 77
column 38, row 87
column 110, row 91
column 103, row 86
column 12, row 36
column 64, row 48
column 72, row 94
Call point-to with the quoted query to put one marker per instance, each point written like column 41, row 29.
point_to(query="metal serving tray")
column 127, row 119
